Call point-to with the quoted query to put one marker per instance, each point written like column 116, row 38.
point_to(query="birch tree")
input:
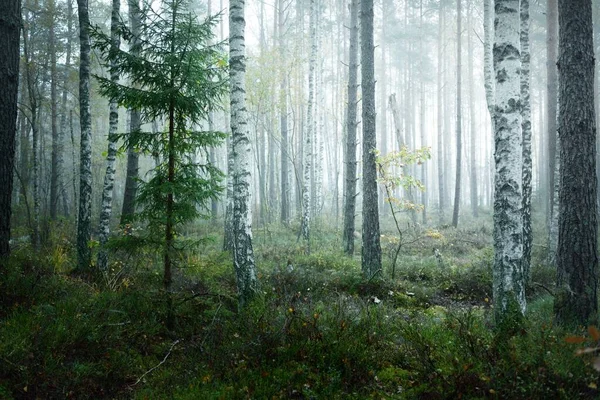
column 10, row 23
column 576, row 300
column 526, row 128
column 508, row 278
column 111, row 154
column 371, row 250
column 243, row 254
column 309, row 131
column 85, row 157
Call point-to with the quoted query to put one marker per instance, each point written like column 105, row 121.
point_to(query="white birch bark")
column 488, row 65
column 526, row 128
column 309, row 133
column 509, row 282
column 243, row 254
column 85, row 119
column 113, row 125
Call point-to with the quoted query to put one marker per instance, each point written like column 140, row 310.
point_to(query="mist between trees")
column 145, row 125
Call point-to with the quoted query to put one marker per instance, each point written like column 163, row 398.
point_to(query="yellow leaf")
column 592, row 385
column 25, row 389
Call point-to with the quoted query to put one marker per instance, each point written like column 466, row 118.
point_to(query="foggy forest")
column 299, row 199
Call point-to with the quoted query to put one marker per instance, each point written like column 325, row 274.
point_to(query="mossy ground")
column 316, row 330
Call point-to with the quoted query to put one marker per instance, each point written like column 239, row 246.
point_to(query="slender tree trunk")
column 113, row 126
column 551, row 100
column 526, row 129
column 64, row 124
column 371, row 250
column 56, row 162
column 283, row 121
column 422, row 112
column 243, row 254
column 458, row 113
column 309, row 132
column 440, row 119
column 351, row 127
column 576, row 300
column 473, row 130
column 133, row 157
column 10, row 23
column 509, row 281
column 85, row 118
column 170, row 223
column 33, row 97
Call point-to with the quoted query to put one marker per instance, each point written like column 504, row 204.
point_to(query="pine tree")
column 576, row 300
column 371, row 251
column 351, row 125
column 176, row 75
column 10, row 21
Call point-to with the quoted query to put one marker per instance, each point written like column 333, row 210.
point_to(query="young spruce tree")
column 174, row 74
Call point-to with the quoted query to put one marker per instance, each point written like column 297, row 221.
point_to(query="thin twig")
column 211, row 324
column 157, row 365
column 544, row 287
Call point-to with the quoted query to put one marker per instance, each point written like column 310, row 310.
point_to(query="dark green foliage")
column 316, row 330
column 175, row 74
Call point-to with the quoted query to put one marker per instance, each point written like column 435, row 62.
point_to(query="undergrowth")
column 315, row 331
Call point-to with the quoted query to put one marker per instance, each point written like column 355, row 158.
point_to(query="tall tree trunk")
column 133, row 157
column 509, row 281
column 576, row 300
column 458, row 113
column 10, row 23
column 283, row 121
column 383, row 98
column 473, row 130
column 440, row 120
column 85, row 167
column 33, row 96
column 526, row 129
column 351, row 127
column 309, row 132
column 243, row 254
column 113, row 126
column 422, row 112
column 551, row 100
column 56, row 162
column 371, row 250
column 64, row 124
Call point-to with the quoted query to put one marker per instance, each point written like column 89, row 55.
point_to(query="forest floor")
column 316, row 330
